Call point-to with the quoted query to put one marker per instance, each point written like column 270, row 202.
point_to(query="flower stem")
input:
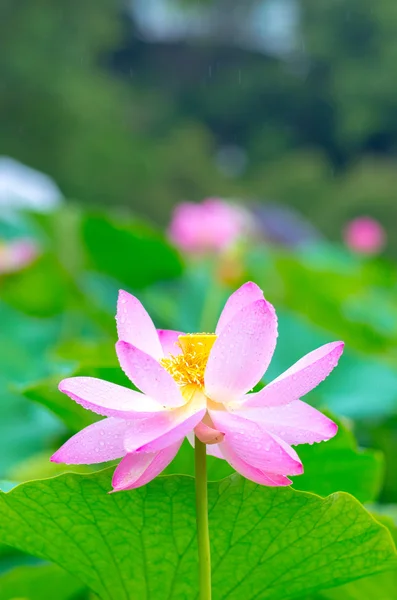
column 203, row 537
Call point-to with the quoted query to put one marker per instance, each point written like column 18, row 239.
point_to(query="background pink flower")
column 211, row 226
column 200, row 384
column 16, row 255
column 365, row 235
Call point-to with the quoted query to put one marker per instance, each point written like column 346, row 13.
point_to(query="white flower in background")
column 23, row 188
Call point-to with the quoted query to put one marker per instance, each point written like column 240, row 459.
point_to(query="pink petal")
column 137, row 469
column 135, row 326
column 169, row 341
column 148, row 375
column 299, row 379
column 250, row 472
column 241, row 353
column 207, row 434
column 166, row 428
column 175, row 434
column 295, row 423
column 109, row 399
column 253, row 444
column 99, row 442
column 17, row 254
column 214, row 450
column 246, row 294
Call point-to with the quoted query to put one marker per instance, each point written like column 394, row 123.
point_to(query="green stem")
column 203, row 536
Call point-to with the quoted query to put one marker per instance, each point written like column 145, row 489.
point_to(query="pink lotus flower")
column 211, row 226
column 16, row 255
column 199, row 383
column 365, row 235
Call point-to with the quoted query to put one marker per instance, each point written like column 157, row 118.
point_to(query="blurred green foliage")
column 118, row 120
column 92, row 533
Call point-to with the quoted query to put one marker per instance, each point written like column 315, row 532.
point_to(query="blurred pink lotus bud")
column 16, row 255
column 211, row 226
column 365, row 235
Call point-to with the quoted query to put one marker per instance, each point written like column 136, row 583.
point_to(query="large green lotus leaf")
column 127, row 250
column 46, row 582
column 382, row 586
column 266, row 542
